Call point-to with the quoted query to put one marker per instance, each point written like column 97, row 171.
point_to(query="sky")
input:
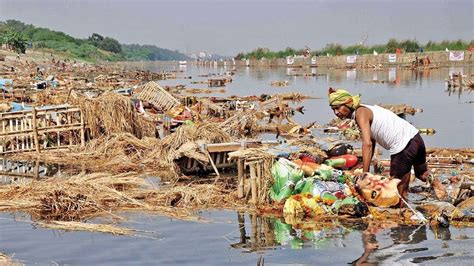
column 229, row 27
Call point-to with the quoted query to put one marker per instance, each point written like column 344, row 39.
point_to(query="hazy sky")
column 228, row 27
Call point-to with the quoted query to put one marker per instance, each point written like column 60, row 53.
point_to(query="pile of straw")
column 50, row 97
column 84, row 196
column 123, row 152
column 185, row 142
column 5, row 107
column 7, row 260
column 242, row 125
column 73, row 198
column 199, row 196
column 113, row 113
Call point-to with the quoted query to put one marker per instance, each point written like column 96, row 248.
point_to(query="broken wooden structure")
column 253, row 174
column 159, row 97
column 218, row 82
column 44, row 128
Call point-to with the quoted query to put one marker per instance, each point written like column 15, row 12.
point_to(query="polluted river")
column 235, row 235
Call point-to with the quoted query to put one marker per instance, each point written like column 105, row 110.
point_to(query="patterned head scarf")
column 340, row 97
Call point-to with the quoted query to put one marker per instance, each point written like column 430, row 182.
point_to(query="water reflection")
column 423, row 88
column 258, row 233
column 12, row 171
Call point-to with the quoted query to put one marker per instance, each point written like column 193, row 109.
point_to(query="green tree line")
column 20, row 36
column 409, row 46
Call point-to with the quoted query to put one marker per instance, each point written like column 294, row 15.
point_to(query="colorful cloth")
column 340, row 97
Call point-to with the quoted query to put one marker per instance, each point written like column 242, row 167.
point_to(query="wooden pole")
column 83, row 135
column 213, row 166
column 259, row 180
column 253, row 182
column 240, row 178
column 35, row 131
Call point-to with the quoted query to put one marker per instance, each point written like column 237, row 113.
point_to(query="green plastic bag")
column 284, row 179
column 305, row 185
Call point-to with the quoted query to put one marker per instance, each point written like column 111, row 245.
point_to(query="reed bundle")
column 113, row 113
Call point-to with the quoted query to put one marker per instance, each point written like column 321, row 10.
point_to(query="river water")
column 234, row 238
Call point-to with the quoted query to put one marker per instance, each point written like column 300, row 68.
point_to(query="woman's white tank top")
column 388, row 130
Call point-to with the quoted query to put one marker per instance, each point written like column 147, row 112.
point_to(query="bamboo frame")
column 159, row 97
column 34, row 130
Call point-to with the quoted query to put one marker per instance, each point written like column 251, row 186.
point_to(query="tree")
column 239, row 56
column 111, row 45
column 95, row 39
column 392, row 46
column 410, row 46
column 105, row 43
column 15, row 41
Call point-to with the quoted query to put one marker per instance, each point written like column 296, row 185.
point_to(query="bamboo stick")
column 240, row 178
column 253, row 183
column 260, row 181
column 35, row 131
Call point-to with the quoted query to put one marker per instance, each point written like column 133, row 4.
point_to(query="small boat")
column 183, row 62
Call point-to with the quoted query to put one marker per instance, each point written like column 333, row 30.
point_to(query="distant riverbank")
column 432, row 59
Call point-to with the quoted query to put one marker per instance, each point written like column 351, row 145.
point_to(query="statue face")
column 378, row 190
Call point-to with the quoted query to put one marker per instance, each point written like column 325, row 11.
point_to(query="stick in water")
column 418, row 214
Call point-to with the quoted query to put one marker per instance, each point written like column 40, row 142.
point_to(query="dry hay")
column 5, row 107
column 279, row 129
column 50, row 97
column 185, row 142
column 459, row 154
column 113, row 113
column 242, row 125
column 308, row 146
column 293, row 96
column 7, row 260
column 119, row 153
column 80, row 226
column 199, row 196
column 280, row 83
column 204, row 91
column 401, row 108
column 85, row 196
column 72, row 198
